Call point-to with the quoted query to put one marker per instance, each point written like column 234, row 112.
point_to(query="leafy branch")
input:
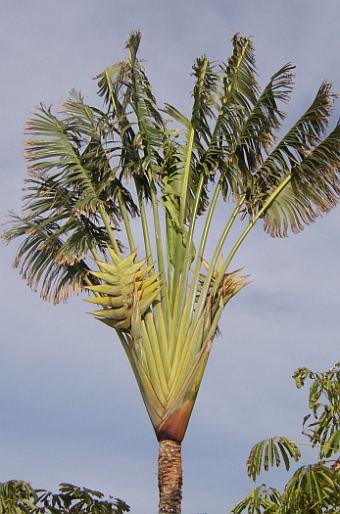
column 17, row 497
column 315, row 487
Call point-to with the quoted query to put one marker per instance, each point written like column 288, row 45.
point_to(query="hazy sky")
column 69, row 407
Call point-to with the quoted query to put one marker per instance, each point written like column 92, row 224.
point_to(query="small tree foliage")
column 314, row 488
column 17, row 497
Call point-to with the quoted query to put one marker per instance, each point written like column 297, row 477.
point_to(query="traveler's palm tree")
column 149, row 174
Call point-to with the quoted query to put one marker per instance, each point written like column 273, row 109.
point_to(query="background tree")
column 94, row 172
column 17, row 497
column 313, row 488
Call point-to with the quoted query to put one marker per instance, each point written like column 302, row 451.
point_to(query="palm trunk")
column 170, row 477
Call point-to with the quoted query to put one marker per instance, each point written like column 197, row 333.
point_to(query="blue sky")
column 69, row 408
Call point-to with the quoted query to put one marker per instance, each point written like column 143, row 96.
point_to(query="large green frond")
column 256, row 134
column 111, row 83
column 206, row 95
column 115, row 87
column 299, row 180
column 70, row 195
column 128, row 95
column 143, row 103
column 240, row 83
column 67, row 150
column 181, row 172
column 237, row 97
column 44, row 258
column 185, row 179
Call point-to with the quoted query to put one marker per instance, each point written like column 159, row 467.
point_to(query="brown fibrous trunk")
column 170, row 477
